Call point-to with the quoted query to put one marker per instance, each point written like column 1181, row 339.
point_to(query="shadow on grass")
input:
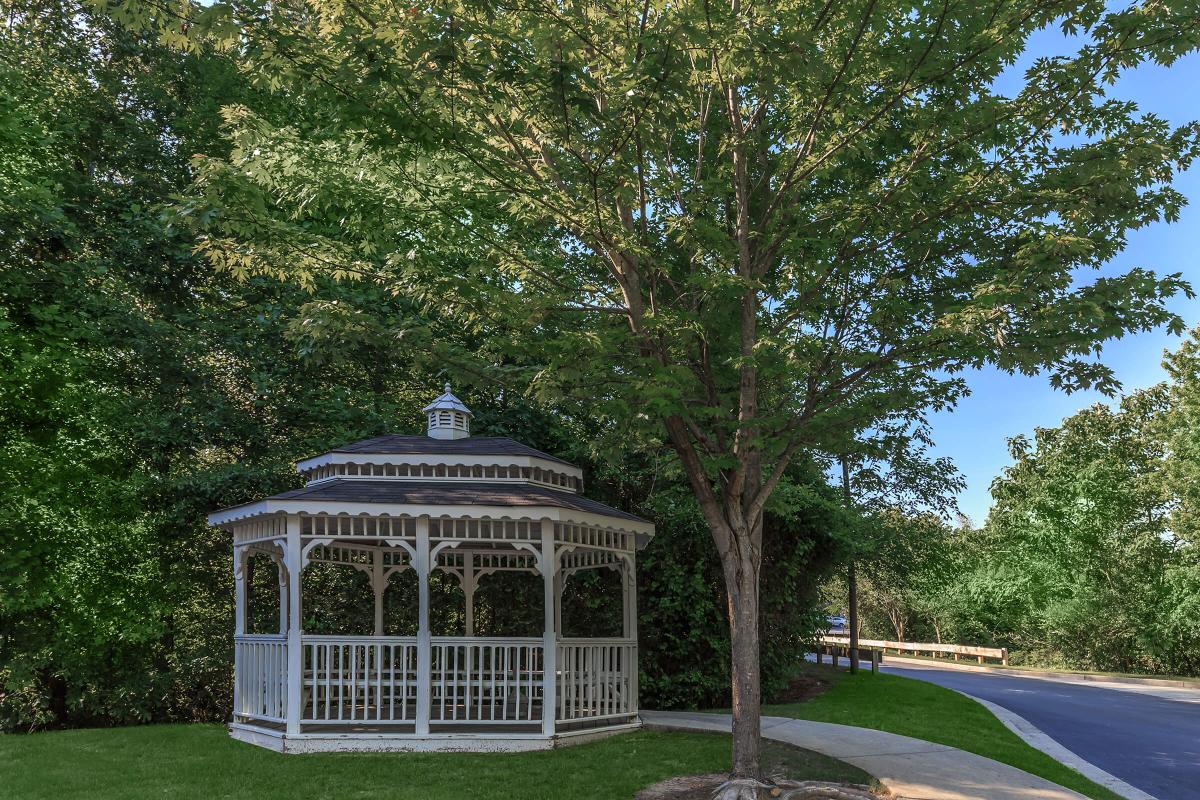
column 201, row 761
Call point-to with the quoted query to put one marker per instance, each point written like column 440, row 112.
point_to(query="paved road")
column 1149, row 738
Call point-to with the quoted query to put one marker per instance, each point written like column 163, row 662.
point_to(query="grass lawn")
column 925, row 711
column 201, row 761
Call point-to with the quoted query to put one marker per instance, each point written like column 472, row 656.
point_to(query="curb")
column 1035, row 738
column 1169, row 683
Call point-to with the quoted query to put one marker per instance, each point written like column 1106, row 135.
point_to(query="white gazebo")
column 469, row 507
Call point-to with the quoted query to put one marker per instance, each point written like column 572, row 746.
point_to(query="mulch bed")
column 802, row 688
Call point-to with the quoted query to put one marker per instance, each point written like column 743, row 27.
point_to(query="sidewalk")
column 911, row 768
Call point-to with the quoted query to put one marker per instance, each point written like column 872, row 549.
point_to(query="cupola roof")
column 446, row 401
column 448, row 417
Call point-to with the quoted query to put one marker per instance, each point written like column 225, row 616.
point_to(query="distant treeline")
column 1089, row 558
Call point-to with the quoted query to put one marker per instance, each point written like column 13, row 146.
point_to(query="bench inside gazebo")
column 467, row 507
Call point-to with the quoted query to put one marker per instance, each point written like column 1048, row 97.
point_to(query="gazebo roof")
column 442, row 493
column 445, row 474
column 397, row 444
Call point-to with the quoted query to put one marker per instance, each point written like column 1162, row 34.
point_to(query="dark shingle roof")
column 449, row 493
column 424, row 445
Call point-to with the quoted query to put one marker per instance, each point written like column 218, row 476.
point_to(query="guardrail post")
column 1004, row 656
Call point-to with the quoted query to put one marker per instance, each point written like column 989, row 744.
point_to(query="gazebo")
column 469, row 507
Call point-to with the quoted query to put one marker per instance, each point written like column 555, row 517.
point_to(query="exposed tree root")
column 719, row 787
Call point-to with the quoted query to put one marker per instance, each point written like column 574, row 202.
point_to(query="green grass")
column 925, row 711
column 201, row 761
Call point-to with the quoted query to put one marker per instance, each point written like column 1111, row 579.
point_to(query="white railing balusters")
column 481, row 680
column 261, row 675
column 477, row 680
column 596, row 679
column 346, row 679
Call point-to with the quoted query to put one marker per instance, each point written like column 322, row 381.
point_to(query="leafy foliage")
column 754, row 227
column 1088, row 558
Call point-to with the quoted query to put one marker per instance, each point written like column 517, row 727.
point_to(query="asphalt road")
column 1149, row 738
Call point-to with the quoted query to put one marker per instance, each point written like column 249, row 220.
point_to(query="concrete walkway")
column 911, row 768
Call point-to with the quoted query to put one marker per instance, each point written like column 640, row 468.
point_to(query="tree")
column 909, row 563
column 893, row 478
column 761, row 227
column 1077, row 545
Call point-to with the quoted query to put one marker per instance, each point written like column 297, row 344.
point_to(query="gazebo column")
column 294, row 560
column 549, row 638
column 560, row 584
column 629, row 599
column 424, row 649
column 378, row 585
column 239, row 622
column 283, row 594
column 468, row 587
column 630, row 631
column 239, row 591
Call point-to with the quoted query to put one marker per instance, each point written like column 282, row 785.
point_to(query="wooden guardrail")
column 840, row 648
column 916, row 648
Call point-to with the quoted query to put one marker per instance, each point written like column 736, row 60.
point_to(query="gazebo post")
column 468, row 586
column 378, row 585
column 283, row 594
column 560, row 583
column 239, row 591
column 295, row 655
column 629, row 632
column 623, row 569
column 549, row 639
column 424, row 650
column 239, row 623
column 629, row 599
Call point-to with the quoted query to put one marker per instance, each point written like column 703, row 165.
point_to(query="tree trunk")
column 851, row 580
column 741, row 582
column 852, row 617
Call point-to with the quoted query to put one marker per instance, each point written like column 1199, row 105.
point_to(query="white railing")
column 484, row 680
column 472, row 681
column 261, row 676
column 597, row 679
column 356, row 679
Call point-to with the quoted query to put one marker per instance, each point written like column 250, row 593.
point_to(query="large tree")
column 760, row 227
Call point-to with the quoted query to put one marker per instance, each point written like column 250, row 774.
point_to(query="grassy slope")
column 925, row 711
column 201, row 761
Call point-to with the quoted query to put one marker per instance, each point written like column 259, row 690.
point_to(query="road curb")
column 1032, row 673
column 1039, row 740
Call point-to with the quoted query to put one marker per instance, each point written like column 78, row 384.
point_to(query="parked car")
column 836, row 621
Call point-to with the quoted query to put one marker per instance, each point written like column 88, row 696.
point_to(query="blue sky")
column 975, row 434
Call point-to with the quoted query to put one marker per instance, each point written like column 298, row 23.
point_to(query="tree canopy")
column 762, row 227
column 753, row 230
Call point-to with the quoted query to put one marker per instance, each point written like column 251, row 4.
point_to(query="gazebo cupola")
column 402, row 507
column 448, row 417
